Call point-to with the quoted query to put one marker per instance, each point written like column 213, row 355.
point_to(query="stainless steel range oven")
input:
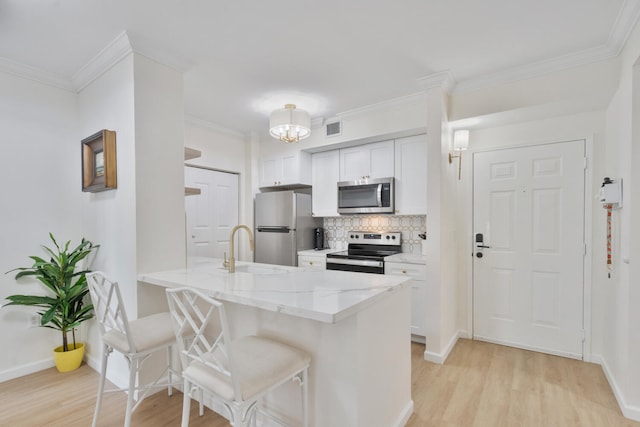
column 365, row 252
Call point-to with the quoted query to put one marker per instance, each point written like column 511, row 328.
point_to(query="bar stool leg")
column 133, row 370
column 103, row 373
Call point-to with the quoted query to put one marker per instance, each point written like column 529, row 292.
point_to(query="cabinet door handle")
column 310, row 262
column 404, row 271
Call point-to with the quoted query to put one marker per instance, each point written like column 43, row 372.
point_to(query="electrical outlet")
column 34, row 321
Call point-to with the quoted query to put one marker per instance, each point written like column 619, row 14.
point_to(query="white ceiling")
column 242, row 58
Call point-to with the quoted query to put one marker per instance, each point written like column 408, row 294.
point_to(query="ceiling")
column 243, row 58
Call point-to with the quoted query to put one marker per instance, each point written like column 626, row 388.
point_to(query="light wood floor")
column 481, row 384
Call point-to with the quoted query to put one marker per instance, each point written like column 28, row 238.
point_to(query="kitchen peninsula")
column 354, row 325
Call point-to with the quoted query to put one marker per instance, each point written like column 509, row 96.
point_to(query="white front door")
column 528, row 279
column 213, row 213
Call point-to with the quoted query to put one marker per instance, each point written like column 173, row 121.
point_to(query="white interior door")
column 213, row 213
column 528, row 279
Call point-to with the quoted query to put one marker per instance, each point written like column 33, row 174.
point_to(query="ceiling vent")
column 334, row 129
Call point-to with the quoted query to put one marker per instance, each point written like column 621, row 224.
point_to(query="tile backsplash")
column 337, row 228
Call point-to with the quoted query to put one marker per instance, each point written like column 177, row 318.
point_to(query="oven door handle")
column 361, row 262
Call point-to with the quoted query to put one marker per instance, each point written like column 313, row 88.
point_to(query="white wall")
column 40, row 183
column 109, row 217
column 578, row 89
column 159, row 168
column 621, row 297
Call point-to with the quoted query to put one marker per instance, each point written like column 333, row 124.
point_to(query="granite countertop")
column 322, row 295
column 407, row 258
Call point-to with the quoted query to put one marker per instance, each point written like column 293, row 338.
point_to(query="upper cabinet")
column 325, row 171
column 411, row 175
column 289, row 169
column 403, row 158
column 367, row 161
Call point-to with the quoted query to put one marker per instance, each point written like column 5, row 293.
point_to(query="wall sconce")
column 460, row 143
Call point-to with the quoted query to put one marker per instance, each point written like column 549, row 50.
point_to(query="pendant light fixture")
column 289, row 124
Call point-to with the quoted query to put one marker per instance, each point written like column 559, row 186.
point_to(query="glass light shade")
column 289, row 124
column 461, row 140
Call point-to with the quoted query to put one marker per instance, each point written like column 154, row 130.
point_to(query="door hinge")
column 585, row 250
column 582, row 335
column 586, row 163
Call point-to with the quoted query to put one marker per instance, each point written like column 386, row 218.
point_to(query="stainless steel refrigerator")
column 283, row 226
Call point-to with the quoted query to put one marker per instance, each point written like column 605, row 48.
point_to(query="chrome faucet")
column 231, row 263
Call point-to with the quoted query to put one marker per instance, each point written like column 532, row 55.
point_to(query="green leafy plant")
column 64, row 309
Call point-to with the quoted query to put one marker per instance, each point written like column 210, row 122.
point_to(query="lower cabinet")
column 418, row 283
column 312, row 262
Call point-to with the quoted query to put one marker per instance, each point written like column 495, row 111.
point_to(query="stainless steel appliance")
column 284, row 226
column 366, row 196
column 365, row 252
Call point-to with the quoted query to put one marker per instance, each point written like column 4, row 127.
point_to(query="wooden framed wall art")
column 99, row 162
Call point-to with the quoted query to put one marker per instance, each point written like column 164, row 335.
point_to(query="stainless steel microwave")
column 366, row 196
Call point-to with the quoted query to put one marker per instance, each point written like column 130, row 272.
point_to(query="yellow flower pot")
column 68, row 360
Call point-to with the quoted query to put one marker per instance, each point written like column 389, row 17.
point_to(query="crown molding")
column 197, row 121
column 109, row 56
column 621, row 30
column 32, row 73
column 391, row 104
column 625, row 22
column 443, row 80
column 536, row 69
column 159, row 55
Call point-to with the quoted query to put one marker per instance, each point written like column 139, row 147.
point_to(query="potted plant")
column 64, row 307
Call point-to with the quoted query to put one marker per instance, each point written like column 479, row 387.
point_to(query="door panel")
column 528, row 282
column 212, row 214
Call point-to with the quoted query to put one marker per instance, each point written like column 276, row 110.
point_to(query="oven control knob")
column 388, row 237
column 393, row 237
column 357, row 237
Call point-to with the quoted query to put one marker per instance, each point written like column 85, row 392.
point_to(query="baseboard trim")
column 629, row 411
column 529, row 347
column 403, row 419
column 440, row 358
column 29, row 368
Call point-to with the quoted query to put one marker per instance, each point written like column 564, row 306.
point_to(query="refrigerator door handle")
column 273, row 229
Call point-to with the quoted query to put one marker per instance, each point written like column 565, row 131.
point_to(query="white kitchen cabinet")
column 411, row 175
column 325, row 174
column 373, row 160
column 313, row 262
column 285, row 170
column 418, row 274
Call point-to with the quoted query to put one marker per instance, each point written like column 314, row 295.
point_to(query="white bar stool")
column 237, row 373
column 136, row 340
